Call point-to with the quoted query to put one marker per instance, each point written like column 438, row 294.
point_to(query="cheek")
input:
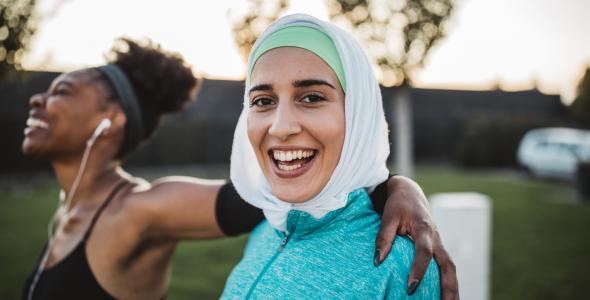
column 256, row 131
column 336, row 138
column 329, row 129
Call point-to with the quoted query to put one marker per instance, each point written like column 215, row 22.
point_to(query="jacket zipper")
column 282, row 245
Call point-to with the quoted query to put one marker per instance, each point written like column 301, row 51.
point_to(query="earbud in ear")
column 104, row 124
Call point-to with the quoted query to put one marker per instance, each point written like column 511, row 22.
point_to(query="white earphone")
column 104, row 124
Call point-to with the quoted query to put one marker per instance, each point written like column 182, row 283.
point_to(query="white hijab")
column 366, row 146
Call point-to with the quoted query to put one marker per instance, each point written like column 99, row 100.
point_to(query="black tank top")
column 71, row 278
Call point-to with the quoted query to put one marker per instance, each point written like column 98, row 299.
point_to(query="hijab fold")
column 363, row 158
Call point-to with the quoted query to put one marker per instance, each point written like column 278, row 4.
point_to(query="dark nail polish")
column 413, row 286
column 377, row 258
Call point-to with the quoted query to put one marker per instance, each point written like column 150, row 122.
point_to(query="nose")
column 37, row 100
column 285, row 122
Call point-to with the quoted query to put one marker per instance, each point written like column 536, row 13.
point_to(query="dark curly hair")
column 162, row 81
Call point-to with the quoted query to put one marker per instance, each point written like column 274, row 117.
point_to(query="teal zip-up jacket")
column 329, row 258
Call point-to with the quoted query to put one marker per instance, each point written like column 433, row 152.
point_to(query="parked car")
column 554, row 152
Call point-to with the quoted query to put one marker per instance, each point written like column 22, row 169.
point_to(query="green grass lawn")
column 541, row 240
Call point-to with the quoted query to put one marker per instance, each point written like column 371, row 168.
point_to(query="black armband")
column 234, row 215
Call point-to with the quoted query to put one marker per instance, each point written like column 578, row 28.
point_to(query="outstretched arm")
column 406, row 212
column 180, row 207
column 191, row 208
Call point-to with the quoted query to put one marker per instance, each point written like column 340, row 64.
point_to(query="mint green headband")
column 307, row 38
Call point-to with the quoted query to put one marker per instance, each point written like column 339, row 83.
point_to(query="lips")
column 34, row 123
column 294, row 162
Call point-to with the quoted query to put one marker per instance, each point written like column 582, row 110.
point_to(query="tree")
column 17, row 26
column 247, row 27
column 580, row 108
column 398, row 35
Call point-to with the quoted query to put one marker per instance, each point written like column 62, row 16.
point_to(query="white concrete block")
column 464, row 223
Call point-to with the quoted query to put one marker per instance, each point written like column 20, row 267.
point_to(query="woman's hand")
column 407, row 213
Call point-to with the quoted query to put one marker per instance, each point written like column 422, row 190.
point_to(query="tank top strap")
column 103, row 206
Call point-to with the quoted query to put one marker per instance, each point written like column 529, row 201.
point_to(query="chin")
column 292, row 193
column 30, row 149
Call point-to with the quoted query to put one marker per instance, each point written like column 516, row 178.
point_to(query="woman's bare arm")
column 178, row 207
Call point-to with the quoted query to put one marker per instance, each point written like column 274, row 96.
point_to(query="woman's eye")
column 261, row 102
column 59, row 91
column 312, row 98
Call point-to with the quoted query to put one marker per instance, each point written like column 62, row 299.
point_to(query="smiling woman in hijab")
column 310, row 143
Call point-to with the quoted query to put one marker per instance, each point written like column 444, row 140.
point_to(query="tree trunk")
column 404, row 135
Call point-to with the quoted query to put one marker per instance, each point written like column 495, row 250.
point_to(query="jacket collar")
column 300, row 223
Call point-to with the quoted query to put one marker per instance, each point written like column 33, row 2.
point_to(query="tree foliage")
column 580, row 108
column 16, row 29
column 398, row 34
column 248, row 26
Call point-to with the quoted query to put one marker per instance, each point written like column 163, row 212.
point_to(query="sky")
column 513, row 44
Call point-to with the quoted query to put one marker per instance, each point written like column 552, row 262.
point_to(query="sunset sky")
column 511, row 43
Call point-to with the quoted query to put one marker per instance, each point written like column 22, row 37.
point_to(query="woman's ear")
column 118, row 121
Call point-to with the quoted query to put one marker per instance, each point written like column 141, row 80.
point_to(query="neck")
column 98, row 174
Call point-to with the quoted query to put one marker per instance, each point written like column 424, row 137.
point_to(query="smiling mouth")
column 291, row 163
column 34, row 123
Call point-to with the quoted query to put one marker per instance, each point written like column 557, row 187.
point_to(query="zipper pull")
column 284, row 242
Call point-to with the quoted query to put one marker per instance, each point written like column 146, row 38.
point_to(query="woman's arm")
column 177, row 208
column 190, row 208
column 180, row 207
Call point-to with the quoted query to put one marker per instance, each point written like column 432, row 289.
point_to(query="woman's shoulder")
column 402, row 254
column 359, row 199
column 358, row 193
column 399, row 262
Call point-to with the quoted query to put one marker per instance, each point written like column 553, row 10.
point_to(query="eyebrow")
column 311, row 82
column 63, row 82
column 296, row 83
column 261, row 87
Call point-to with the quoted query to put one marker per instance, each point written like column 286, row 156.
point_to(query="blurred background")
column 465, row 83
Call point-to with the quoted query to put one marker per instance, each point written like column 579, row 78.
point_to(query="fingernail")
column 413, row 286
column 377, row 258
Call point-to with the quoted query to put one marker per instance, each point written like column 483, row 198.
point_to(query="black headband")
column 128, row 101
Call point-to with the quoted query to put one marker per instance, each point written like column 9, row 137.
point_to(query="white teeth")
column 32, row 122
column 291, row 155
column 289, row 168
column 284, row 157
